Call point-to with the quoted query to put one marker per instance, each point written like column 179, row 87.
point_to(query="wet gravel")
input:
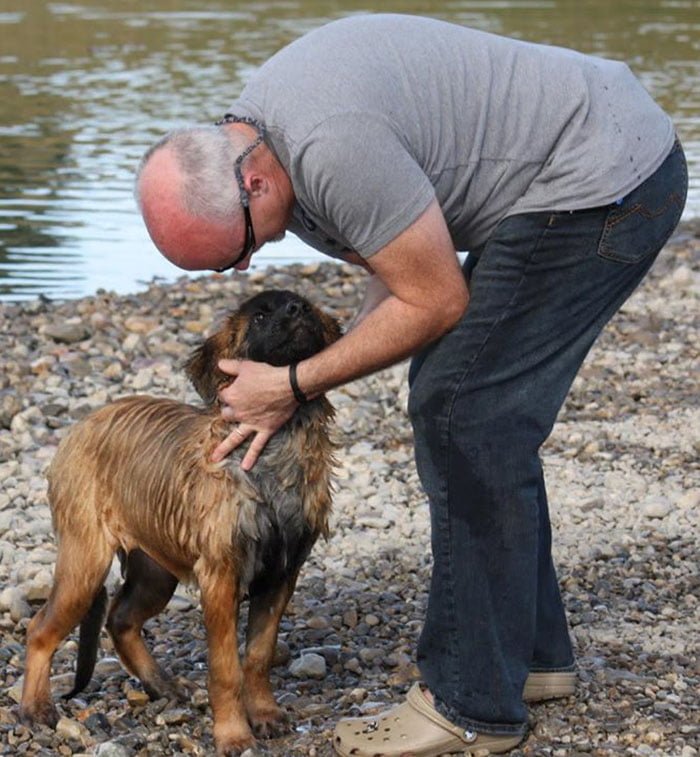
column 622, row 466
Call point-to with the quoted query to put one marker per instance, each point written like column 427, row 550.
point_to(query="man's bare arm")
column 418, row 294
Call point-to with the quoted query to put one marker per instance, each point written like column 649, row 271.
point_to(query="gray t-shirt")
column 375, row 116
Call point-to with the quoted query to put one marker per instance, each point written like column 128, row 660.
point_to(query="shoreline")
column 624, row 490
column 686, row 228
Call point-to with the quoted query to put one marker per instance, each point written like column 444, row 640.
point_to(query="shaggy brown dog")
column 135, row 478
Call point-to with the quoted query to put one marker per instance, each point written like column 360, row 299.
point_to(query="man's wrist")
column 299, row 395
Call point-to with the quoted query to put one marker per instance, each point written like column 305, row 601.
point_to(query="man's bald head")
column 189, row 198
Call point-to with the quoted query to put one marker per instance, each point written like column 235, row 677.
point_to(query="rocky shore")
column 624, row 486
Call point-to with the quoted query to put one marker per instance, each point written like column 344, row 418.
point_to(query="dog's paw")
column 252, row 751
column 239, row 750
column 160, row 687
column 235, row 742
column 40, row 713
column 269, row 723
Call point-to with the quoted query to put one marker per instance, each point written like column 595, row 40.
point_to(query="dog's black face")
column 276, row 327
column 282, row 328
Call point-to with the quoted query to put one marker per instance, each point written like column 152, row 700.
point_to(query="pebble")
column 137, row 698
column 112, row 749
column 624, row 500
column 173, row 717
column 8, row 597
column 309, row 665
column 657, row 508
column 67, row 332
column 358, row 694
column 19, row 609
column 69, row 729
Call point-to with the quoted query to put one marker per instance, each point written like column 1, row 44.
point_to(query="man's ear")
column 256, row 184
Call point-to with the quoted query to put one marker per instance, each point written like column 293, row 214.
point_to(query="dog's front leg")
column 220, row 602
column 266, row 609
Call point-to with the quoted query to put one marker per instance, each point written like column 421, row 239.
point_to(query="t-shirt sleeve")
column 357, row 174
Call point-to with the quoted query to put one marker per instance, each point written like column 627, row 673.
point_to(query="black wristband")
column 300, row 397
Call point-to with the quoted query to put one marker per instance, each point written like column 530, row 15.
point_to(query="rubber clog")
column 413, row 728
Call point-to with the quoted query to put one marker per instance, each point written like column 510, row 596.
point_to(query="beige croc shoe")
column 413, row 728
column 541, row 686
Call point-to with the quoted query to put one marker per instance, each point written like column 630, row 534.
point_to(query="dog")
column 136, row 478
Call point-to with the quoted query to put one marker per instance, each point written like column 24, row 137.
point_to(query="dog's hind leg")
column 266, row 610
column 220, row 601
column 146, row 590
column 79, row 576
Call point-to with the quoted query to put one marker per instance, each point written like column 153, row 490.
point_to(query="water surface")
column 86, row 87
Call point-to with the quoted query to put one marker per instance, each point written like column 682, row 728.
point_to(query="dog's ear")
column 201, row 367
column 331, row 327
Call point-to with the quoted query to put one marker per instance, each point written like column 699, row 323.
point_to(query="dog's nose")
column 294, row 308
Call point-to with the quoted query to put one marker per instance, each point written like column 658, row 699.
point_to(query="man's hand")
column 260, row 400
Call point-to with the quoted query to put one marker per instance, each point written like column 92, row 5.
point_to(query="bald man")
column 391, row 142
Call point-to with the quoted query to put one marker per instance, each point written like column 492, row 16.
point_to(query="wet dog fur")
column 135, row 478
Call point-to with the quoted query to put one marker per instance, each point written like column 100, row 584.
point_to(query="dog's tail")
column 89, row 641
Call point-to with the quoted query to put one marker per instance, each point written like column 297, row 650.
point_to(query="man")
column 392, row 141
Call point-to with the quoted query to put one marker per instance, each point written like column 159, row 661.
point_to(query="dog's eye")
column 259, row 317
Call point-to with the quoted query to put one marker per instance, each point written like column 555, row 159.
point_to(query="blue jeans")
column 483, row 399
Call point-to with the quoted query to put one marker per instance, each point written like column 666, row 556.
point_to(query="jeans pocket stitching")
column 637, row 209
column 614, row 219
column 673, row 199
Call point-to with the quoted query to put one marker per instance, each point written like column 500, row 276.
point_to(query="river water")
column 85, row 87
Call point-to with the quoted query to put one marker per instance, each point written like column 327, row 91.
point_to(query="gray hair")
column 206, row 156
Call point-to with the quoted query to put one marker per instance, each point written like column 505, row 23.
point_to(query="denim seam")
column 446, row 530
column 469, row 723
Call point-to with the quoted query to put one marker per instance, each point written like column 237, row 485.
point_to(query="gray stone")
column 309, row 666
column 8, row 597
column 113, row 749
column 67, row 332
column 174, row 716
column 19, row 609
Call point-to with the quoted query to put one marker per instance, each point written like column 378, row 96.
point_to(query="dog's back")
column 133, row 473
column 137, row 474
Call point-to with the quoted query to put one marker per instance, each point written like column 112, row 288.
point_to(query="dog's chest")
column 274, row 532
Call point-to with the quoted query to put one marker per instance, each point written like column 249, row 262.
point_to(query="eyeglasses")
column 249, row 242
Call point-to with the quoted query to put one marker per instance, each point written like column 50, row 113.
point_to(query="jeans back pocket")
column 642, row 223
